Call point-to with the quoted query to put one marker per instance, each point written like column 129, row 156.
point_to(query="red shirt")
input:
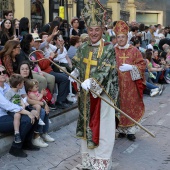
column 45, row 64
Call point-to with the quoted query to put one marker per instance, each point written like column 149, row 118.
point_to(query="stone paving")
column 146, row 153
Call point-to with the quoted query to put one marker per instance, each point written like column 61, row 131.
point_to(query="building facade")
column 43, row 11
column 153, row 11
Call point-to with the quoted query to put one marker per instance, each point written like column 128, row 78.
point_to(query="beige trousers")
column 45, row 81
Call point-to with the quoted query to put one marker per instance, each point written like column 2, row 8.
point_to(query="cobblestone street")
column 146, row 153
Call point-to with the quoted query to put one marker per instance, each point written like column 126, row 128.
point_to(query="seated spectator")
column 75, row 42
column 166, row 69
column 137, row 45
column 16, row 27
column 60, row 78
column 48, row 28
column 48, row 48
column 45, row 80
column 16, row 83
column 113, row 40
column 8, row 56
column 152, row 89
column 168, row 56
column 156, row 71
column 7, row 32
column 27, row 122
column 25, row 71
column 164, row 43
column 32, row 89
column 151, row 43
column 132, row 36
column 8, row 14
column 62, row 57
column 24, row 26
column 155, row 57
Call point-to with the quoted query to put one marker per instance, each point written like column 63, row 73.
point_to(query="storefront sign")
column 61, row 12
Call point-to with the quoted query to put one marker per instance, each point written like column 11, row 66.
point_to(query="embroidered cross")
column 89, row 62
column 124, row 58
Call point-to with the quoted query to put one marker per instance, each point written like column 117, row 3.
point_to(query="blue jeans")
column 150, row 86
column 157, row 74
column 167, row 71
column 42, row 114
column 43, row 129
column 26, row 128
column 63, row 85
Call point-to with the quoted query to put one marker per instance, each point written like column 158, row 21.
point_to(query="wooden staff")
column 120, row 111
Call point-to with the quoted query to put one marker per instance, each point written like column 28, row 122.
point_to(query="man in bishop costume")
column 95, row 66
column 131, row 67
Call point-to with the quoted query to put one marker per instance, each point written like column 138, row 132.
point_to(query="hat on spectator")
column 36, row 37
column 121, row 28
column 93, row 14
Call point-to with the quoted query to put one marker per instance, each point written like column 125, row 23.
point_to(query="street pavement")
column 146, row 153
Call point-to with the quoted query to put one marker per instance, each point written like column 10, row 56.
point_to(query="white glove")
column 86, row 85
column 74, row 73
column 125, row 67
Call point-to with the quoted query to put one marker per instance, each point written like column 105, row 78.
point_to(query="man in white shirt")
column 62, row 56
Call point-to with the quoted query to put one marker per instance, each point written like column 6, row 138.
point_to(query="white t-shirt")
column 149, row 46
column 6, row 105
column 61, row 57
column 48, row 50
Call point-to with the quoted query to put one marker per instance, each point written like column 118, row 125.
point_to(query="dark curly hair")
column 6, row 32
column 23, row 26
column 30, row 73
column 25, row 43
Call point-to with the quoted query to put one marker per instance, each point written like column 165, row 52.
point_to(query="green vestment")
column 99, row 63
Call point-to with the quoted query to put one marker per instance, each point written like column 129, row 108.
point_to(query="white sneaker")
column 153, row 93
column 39, row 142
column 72, row 99
column 48, row 138
column 49, row 121
column 40, row 122
column 156, row 89
column 72, row 95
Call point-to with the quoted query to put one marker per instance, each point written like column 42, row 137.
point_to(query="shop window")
column 37, row 14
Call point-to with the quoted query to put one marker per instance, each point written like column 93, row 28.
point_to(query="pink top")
column 36, row 65
column 35, row 93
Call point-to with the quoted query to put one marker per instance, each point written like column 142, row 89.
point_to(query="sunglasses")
column 4, row 72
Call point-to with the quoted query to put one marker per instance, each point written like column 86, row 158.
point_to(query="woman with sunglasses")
column 6, row 121
column 8, row 56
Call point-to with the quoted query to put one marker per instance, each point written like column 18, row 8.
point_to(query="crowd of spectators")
column 41, row 86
